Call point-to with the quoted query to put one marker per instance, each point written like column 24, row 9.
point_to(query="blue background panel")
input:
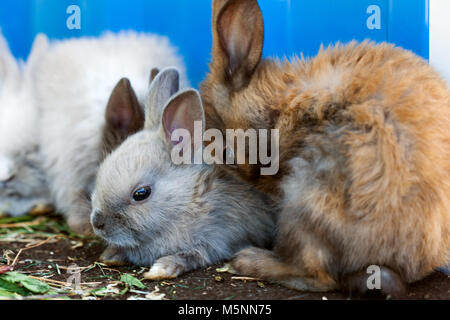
column 408, row 25
column 291, row 26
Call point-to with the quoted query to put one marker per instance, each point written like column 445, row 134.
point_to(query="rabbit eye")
column 142, row 193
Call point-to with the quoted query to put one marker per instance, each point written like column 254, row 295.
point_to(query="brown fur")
column 364, row 154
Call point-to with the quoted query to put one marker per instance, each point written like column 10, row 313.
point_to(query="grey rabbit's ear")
column 124, row 116
column 164, row 85
column 124, row 112
column 183, row 111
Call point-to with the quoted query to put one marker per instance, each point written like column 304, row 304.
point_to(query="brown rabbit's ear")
column 182, row 112
column 238, row 39
column 124, row 115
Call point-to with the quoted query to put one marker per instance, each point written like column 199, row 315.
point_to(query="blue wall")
column 292, row 26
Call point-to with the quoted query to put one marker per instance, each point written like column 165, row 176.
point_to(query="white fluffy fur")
column 52, row 111
column 17, row 117
column 22, row 182
column 73, row 83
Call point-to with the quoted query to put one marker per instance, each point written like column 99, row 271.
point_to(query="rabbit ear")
column 9, row 69
column 164, row 85
column 124, row 115
column 238, row 40
column 40, row 45
column 183, row 111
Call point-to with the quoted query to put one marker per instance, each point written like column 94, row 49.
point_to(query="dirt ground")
column 49, row 262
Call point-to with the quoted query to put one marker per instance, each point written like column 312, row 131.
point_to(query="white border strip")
column 440, row 36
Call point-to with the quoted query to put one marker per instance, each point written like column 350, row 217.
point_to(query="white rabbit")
column 174, row 218
column 74, row 80
column 22, row 180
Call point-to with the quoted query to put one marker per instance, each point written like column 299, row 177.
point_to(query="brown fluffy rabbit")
column 364, row 153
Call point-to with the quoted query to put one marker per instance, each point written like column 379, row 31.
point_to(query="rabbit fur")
column 22, row 180
column 73, row 82
column 364, row 152
column 196, row 215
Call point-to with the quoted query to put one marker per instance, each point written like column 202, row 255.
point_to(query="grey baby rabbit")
column 174, row 218
column 73, row 81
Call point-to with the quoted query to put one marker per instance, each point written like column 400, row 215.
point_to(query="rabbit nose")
column 7, row 172
column 98, row 220
column 7, row 177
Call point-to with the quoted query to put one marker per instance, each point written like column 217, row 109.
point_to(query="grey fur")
column 73, row 81
column 27, row 189
column 196, row 215
column 166, row 85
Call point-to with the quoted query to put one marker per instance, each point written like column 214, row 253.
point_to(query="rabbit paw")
column 42, row 210
column 80, row 225
column 264, row 264
column 164, row 268
column 247, row 260
column 391, row 284
column 112, row 257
